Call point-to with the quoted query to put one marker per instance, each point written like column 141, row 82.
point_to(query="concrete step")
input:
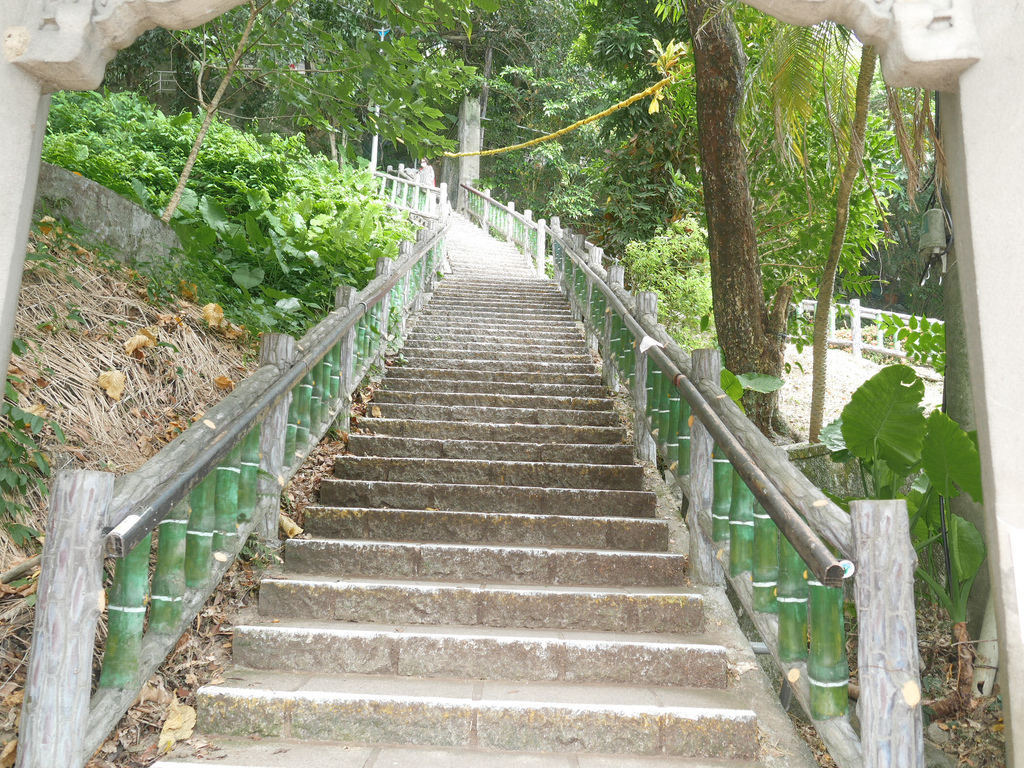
column 403, row 469
column 493, row 300
column 494, row 400
column 496, row 364
column 507, row 715
column 481, row 653
column 499, row 315
column 573, row 353
column 501, row 375
column 508, row 433
column 384, row 445
column 239, row 752
column 398, row 384
column 486, row 335
column 619, row 609
column 493, row 415
column 496, row 325
column 519, row 500
column 509, row 343
column 484, row 563
column 638, row 535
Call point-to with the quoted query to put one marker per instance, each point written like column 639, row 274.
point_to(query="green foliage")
column 268, row 229
column 923, row 340
column 884, row 427
column 734, row 386
column 23, row 465
column 674, row 264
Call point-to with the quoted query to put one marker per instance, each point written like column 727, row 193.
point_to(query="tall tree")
column 749, row 328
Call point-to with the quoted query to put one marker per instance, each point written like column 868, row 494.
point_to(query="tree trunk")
column 211, row 110
column 828, row 278
column 748, row 332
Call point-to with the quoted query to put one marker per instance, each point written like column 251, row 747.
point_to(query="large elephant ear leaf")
column 950, row 458
column 884, row 419
column 966, row 547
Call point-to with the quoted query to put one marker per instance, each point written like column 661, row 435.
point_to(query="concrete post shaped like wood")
column 887, row 652
column 55, row 713
column 646, row 450
column 279, row 350
column 706, row 364
column 541, row 255
column 857, row 330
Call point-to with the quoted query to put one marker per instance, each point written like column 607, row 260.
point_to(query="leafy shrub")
column 674, row 264
column 268, row 229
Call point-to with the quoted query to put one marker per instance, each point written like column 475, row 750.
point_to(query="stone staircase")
column 487, row 581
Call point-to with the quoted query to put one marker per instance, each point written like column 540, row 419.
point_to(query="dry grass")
column 77, row 311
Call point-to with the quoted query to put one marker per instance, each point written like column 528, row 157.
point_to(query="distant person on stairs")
column 426, row 173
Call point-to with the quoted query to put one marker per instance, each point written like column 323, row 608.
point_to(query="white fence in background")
column 860, row 316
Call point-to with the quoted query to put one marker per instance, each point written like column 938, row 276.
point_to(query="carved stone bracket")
column 66, row 44
column 925, row 43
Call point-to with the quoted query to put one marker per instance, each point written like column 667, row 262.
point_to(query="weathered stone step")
column 480, row 653
column 493, row 400
column 493, row 415
column 384, row 445
column 511, row 344
column 476, row 300
column 509, row 715
column 486, row 335
column 483, row 563
column 496, row 364
column 521, row 500
column 622, row 477
column 654, row 611
column 398, row 384
column 508, row 433
column 242, row 752
column 638, row 535
column 503, row 375
column 441, row 354
column 499, row 314
column 497, row 324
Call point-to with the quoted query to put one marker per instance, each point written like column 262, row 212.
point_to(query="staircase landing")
column 491, row 579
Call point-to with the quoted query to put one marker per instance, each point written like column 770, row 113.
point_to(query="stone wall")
column 817, row 465
column 133, row 234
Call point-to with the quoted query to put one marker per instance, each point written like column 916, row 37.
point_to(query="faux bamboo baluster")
column 316, row 399
column 293, row 428
column 766, row 562
column 126, row 614
column 337, row 374
column 792, row 600
column 671, row 430
column 663, row 409
column 741, row 528
column 326, row 375
column 199, row 539
column 169, row 574
column 683, row 436
column 657, row 388
column 828, row 671
column 248, row 477
column 653, row 374
column 629, row 343
column 225, row 503
column 303, row 396
column 721, row 501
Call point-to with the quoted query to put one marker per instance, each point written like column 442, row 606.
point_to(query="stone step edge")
column 503, row 548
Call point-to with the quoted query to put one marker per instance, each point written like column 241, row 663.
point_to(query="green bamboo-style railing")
column 201, row 495
column 803, row 619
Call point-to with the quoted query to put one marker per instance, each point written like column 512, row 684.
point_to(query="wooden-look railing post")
column 857, row 332
column 890, row 688
column 646, row 448
column 279, row 350
column 616, row 278
column 344, row 300
column 55, row 713
column 593, row 300
column 541, row 254
column 705, row 567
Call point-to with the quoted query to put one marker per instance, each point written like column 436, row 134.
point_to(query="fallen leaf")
column 224, row 382
column 188, row 290
column 36, row 410
column 155, row 693
column 290, row 528
column 181, row 720
column 15, row 698
column 10, row 754
column 375, row 411
column 113, row 383
column 213, row 314
column 137, row 343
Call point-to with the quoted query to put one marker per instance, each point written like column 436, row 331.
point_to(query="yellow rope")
column 579, row 124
